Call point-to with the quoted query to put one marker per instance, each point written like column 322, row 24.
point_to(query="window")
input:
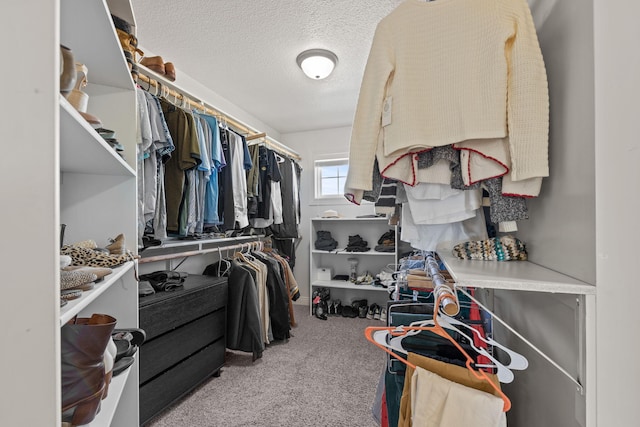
column 331, row 176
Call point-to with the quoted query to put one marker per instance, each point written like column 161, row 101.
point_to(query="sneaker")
column 338, row 307
column 362, row 311
column 332, row 309
column 321, row 310
column 383, row 314
column 376, row 313
column 371, row 311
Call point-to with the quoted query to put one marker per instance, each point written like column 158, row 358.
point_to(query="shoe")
column 70, row 294
column 338, row 307
column 170, row 71
column 83, row 343
column 383, row 314
column 77, row 98
column 136, row 336
column 154, row 63
column 372, row 309
column 68, row 74
column 121, row 365
column 100, row 273
column 331, row 310
column 109, row 360
column 377, row 312
column 117, row 245
column 321, row 310
column 362, row 312
column 75, row 279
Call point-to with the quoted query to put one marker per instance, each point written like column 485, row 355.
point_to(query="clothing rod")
column 449, row 302
column 193, row 253
column 167, row 90
column 526, row 341
column 276, row 146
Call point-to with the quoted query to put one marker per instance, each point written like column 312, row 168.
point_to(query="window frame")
column 318, row 165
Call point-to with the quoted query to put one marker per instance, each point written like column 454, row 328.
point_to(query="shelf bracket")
column 579, row 387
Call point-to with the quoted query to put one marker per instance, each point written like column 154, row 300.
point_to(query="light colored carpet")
column 325, row 375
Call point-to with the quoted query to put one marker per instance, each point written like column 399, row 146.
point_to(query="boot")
column 83, row 344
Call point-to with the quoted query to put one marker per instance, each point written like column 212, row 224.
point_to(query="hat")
column 330, row 214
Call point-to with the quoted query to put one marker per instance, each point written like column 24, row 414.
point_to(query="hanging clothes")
column 187, row 156
column 244, row 327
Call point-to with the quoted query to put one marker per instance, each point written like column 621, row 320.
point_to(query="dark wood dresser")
column 185, row 342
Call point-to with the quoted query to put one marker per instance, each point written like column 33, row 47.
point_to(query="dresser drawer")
column 164, row 351
column 164, row 311
column 165, row 389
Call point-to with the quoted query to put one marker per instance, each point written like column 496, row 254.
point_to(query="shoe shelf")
column 74, row 307
column 83, row 150
column 80, row 21
column 511, row 275
column 343, row 284
column 327, row 264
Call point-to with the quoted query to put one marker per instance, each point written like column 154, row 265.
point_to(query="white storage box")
column 324, row 273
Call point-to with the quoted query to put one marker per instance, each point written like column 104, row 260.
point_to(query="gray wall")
column 560, row 233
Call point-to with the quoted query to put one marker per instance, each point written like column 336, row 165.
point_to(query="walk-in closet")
column 434, row 228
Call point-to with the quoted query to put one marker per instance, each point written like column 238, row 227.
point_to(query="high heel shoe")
column 117, row 246
column 77, row 97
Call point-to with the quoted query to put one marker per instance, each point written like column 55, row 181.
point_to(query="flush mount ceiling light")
column 317, row 64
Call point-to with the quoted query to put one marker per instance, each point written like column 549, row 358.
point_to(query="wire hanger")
column 438, row 330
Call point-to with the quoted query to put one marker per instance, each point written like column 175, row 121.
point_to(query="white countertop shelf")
column 343, row 284
column 83, row 150
column 75, row 306
column 511, row 275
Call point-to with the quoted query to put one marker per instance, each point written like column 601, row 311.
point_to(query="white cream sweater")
column 453, row 70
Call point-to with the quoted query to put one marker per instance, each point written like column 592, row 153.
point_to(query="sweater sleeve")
column 367, row 120
column 527, row 98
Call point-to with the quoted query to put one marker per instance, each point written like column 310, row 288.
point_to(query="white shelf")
column 109, row 406
column 351, row 219
column 343, row 252
column 343, row 284
column 511, row 275
column 181, row 243
column 83, row 150
column 80, row 21
column 75, row 306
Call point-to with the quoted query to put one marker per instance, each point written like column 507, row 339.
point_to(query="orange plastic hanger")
column 440, row 331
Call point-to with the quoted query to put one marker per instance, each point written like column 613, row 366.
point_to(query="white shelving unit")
column 370, row 229
column 97, row 192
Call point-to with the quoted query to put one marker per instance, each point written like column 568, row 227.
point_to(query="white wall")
column 317, row 145
column 617, row 153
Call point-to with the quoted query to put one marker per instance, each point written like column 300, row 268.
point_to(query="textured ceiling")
column 245, row 50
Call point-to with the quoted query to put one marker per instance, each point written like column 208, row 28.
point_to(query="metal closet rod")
column 189, row 101
column 449, row 302
column 185, row 254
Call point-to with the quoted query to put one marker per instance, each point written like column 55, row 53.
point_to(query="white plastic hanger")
column 504, row 374
column 517, row 360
